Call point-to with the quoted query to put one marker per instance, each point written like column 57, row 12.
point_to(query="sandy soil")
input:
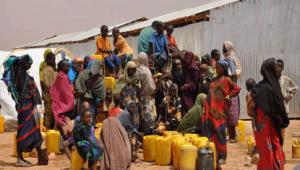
column 237, row 154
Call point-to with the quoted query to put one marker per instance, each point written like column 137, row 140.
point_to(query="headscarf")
column 191, row 121
column 130, row 65
column 267, row 93
column 224, row 66
column 129, row 122
column 206, row 59
column 233, row 62
column 268, row 96
column 116, row 145
column 191, row 65
column 44, row 64
column 85, row 83
column 230, row 48
column 72, row 74
column 145, row 76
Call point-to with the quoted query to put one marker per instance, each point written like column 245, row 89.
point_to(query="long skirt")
column 48, row 115
column 234, row 112
column 28, row 134
column 271, row 155
column 147, row 113
column 215, row 130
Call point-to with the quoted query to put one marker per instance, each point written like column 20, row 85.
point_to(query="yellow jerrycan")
column 190, row 136
column 149, row 148
column 53, row 141
column 188, row 157
column 163, row 151
column 76, row 160
column 2, row 121
column 110, row 82
column 176, row 157
column 296, row 148
column 169, row 133
column 241, row 131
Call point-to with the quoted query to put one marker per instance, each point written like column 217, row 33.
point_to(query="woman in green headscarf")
column 190, row 123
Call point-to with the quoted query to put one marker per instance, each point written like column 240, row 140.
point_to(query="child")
column 250, row 83
column 172, row 107
column 69, row 139
column 85, row 140
column 116, row 110
column 105, row 106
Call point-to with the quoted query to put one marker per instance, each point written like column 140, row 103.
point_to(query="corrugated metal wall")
column 259, row 29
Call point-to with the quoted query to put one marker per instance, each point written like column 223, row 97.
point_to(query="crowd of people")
column 160, row 88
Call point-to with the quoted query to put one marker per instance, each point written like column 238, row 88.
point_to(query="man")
column 103, row 43
column 158, row 47
column 112, row 62
column 171, row 39
column 288, row 88
column 122, row 48
column 144, row 37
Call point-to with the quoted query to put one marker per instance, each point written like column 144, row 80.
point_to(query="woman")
column 116, row 145
column 63, row 98
column 270, row 117
column 26, row 95
column 129, row 119
column 90, row 88
column 130, row 83
column 222, row 89
column 191, row 78
column 85, row 140
column 49, row 73
column 234, row 72
column 191, row 122
column 146, row 101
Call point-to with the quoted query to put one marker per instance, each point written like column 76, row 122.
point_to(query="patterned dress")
column 216, row 108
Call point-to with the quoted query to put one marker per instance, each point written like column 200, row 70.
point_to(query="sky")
column 24, row 21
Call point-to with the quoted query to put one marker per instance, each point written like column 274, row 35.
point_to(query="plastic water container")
column 176, row 152
column 188, row 156
column 76, row 160
column 163, row 151
column 98, row 130
column 213, row 149
column 25, row 154
column 241, row 131
column 200, row 142
column 250, row 145
column 110, row 82
column 2, row 121
column 296, row 148
column 97, row 57
column 149, row 148
column 190, row 136
column 53, row 141
column 169, row 133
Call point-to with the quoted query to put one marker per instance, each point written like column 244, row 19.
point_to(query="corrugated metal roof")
column 128, row 26
column 179, row 14
column 74, row 37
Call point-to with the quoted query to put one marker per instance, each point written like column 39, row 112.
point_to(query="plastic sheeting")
column 7, row 103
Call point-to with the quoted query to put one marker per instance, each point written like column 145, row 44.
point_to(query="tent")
column 7, row 103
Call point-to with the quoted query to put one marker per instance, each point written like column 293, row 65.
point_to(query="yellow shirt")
column 122, row 46
column 103, row 44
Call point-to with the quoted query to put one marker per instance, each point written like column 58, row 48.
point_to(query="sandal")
column 22, row 163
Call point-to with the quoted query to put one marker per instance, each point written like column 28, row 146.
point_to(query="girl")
column 85, row 140
column 222, row 89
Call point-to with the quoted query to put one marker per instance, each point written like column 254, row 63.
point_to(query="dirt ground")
column 237, row 154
